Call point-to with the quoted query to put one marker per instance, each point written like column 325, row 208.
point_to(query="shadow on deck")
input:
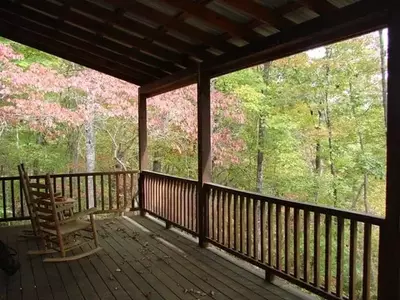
column 139, row 260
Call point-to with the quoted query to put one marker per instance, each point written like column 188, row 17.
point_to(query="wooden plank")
column 79, row 193
column 296, row 243
column 317, row 250
column 3, row 191
column 249, row 229
column 223, row 217
column 87, row 191
column 340, row 258
column 366, row 292
column 242, row 212
column 262, row 231
column 236, row 237
column 255, row 286
column 353, row 261
column 204, row 148
column 278, row 212
column 287, row 239
column 13, row 198
column 328, row 253
column 269, row 216
column 256, row 230
column 307, row 246
column 389, row 265
column 102, row 192
column 11, row 289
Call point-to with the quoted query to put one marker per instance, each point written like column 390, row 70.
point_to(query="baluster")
column 353, row 260
column 278, row 212
column 297, row 243
column 110, row 205
column 21, row 199
column 255, row 231
column 12, row 198
column 328, row 253
column 124, row 183
column 102, row 191
column 62, row 186
column 223, row 219
column 79, row 193
column 117, row 189
column 3, row 187
column 339, row 258
column 94, row 191
column 367, row 262
column 242, row 229
column 235, row 222
column 269, row 216
column 307, row 246
column 262, row 230
column 287, row 239
column 317, row 252
column 86, row 190
column 248, row 226
column 70, row 183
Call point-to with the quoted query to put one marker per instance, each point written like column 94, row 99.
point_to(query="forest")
column 310, row 127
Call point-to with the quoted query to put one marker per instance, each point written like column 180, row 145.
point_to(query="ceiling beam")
column 80, row 47
column 214, row 19
column 118, row 19
column 261, row 13
column 31, row 39
column 319, row 6
column 76, row 36
column 353, row 20
column 172, row 23
column 93, row 25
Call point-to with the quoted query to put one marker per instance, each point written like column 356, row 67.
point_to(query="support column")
column 389, row 254
column 204, row 151
column 143, row 155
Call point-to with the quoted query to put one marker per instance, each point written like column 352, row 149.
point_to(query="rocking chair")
column 59, row 228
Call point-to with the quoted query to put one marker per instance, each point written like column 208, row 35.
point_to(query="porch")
column 140, row 260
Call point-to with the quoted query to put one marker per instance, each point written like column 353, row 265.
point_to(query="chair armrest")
column 81, row 214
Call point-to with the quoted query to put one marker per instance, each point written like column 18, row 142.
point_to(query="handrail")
column 161, row 175
column 110, row 191
column 318, row 208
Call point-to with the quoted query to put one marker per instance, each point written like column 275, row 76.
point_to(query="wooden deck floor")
column 136, row 262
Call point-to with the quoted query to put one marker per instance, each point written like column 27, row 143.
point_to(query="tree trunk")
column 383, row 74
column 330, row 134
column 260, row 154
column 90, row 156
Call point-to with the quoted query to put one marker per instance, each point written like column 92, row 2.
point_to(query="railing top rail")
column 367, row 218
column 157, row 174
column 73, row 174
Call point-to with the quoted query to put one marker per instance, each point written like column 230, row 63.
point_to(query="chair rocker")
column 60, row 229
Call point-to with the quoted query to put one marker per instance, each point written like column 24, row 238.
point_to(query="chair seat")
column 69, row 227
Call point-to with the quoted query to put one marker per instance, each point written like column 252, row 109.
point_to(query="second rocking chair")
column 60, row 229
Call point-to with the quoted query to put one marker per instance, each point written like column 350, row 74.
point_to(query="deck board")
column 140, row 260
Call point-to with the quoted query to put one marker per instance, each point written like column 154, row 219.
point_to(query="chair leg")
column 95, row 237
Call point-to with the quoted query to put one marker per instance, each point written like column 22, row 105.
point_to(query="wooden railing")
column 110, row 192
column 325, row 250
column 171, row 199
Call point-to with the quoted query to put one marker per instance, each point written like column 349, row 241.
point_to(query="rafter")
column 93, row 25
column 73, row 36
column 34, row 40
column 319, row 6
column 174, row 24
column 117, row 18
column 261, row 13
column 213, row 18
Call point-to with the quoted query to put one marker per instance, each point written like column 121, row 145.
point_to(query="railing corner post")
column 141, row 195
column 269, row 277
column 202, row 216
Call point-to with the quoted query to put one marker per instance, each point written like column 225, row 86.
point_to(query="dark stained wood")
column 307, row 246
column 204, row 149
column 269, row 226
column 287, row 239
column 296, row 243
column 319, row 6
column 356, row 19
column 261, row 12
column 389, row 265
column 143, row 152
column 242, row 212
column 278, row 221
column 366, row 292
column 317, row 250
column 249, row 230
column 328, row 253
column 353, row 261
column 340, row 257
column 262, row 229
column 256, row 230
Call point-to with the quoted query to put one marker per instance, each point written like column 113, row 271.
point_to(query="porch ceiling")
column 157, row 44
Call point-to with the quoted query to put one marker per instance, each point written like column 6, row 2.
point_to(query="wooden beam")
column 174, row 24
column 389, row 247
column 82, row 35
column 93, row 25
column 30, row 39
column 74, row 45
column 213, row 18
column 353, row 20
column 319, row 6
column 143, row 154
column 148, row 32
column 261, row 12
column 204, row 150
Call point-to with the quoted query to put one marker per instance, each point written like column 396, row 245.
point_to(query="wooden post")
column 389, row 250
column 204, row 150
column 143, row 155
